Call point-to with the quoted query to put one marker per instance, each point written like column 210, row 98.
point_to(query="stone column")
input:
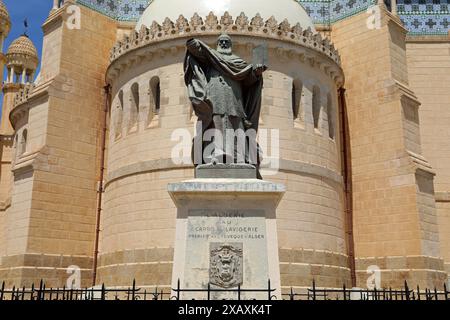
column 12, row 75
column 24, row 75
column 8, row 78
column 55, row 4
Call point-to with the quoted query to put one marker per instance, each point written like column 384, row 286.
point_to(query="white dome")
column 158, row 10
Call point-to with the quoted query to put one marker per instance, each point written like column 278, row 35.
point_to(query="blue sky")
column 35, row 11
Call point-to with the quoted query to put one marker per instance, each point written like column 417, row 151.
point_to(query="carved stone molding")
column 311, row 47
column 23, row 94
column 292, row 166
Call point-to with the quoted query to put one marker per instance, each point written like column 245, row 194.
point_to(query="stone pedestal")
column 226, row 237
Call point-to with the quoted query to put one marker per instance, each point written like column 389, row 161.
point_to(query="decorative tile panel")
column 122, row 10
column 421, row 17
column 330, row 11
column 425, row 17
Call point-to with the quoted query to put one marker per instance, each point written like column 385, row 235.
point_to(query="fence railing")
column 238, row 291
column 133, row 292
column 404, row 293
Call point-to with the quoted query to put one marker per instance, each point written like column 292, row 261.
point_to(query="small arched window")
column 134, row 107
column 316, row 106
column 119, row 115
column 330, row 115
column 297, row 92
column 23, row 142
column 155, row 98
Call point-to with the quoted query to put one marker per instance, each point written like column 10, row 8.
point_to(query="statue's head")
column 224, row 44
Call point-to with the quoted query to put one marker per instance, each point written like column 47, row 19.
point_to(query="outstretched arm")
column 258, row 69
column 255, row 75
column 195, row 48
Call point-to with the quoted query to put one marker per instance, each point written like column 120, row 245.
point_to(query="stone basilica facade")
column 361, row 99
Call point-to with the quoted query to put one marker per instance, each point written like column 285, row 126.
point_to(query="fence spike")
column 134, row 288
column 2, row 290
column 445, row 292
column 103, row 291
column 406, row 290
column 345, row 294
column 314, row 289
column 239, row 292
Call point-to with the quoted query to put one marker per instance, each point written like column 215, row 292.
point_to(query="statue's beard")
column 226, row 51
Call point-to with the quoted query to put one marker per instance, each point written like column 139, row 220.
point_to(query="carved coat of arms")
column 226, row 267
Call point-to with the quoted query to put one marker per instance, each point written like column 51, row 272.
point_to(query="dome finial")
column 25, row 24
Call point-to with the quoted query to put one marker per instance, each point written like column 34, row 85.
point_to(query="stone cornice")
column 305, row 44
column 286, row 165
column 22, row 60
column 442, row 196
column 428, row 38
column 420, row 164
column 406, row 93
column 30, row 161
column 11, row 86
column 55, row 18
column 31, row 92
column 23, row 97
column 6, row 137
column 5, row 204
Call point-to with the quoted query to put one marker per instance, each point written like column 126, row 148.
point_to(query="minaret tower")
column 21, row 62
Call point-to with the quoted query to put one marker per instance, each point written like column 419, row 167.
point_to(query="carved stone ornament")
column 197, row 26
column 226, row 264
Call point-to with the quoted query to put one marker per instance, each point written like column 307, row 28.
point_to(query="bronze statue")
column 225, row 92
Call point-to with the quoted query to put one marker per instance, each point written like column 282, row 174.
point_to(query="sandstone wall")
column 51, row 222
column 429, row 75
column 394, row 212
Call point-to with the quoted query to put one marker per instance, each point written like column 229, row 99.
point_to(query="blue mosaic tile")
column 122, row 10
column 421, row 17
column 330, row 11
column 425, row 17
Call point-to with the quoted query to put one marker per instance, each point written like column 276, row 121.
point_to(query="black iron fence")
column 375, row 294
column 133, row 292
column 236, row 292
